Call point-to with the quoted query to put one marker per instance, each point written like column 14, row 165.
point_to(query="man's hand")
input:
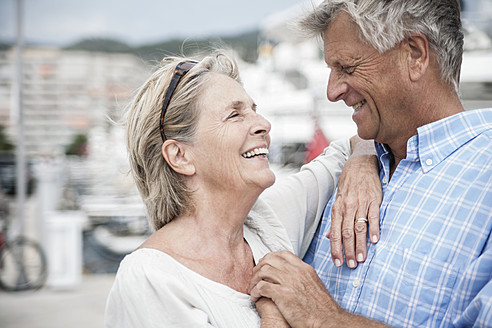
column 295, row 288
column 359, row 196
column 300, row 295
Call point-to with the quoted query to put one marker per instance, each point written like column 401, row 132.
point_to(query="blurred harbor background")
column 80, row 203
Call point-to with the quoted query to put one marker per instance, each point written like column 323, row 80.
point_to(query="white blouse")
column 151, row 289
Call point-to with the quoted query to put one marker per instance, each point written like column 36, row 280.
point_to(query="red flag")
column 316, row 145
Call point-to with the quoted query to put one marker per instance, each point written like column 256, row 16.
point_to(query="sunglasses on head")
column 179, row 71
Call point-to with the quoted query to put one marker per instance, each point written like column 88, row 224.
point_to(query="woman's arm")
column 270, row 315
column 300, row 199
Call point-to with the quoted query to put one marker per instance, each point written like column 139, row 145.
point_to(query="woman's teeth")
column 256, row 152
column 357, row 106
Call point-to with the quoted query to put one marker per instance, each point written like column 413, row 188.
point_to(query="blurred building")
column 66, row 93
column 478, row 13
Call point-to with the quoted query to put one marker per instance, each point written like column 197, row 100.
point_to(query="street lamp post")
column 20, row 151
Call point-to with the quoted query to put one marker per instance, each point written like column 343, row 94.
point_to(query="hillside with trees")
column 244, row 44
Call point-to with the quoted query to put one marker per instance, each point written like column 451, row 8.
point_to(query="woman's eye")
column 233, row 115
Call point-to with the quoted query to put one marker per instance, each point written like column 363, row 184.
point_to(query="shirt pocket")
column 408, row 288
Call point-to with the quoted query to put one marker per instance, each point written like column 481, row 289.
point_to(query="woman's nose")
column 262, row 125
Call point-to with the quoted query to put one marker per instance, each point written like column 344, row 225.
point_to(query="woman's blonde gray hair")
column 163, row 190
column 385, row 23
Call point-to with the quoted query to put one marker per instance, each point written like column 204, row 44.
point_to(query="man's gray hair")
column 385, row 23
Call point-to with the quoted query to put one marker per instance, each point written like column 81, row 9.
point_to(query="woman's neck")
column 210, row 240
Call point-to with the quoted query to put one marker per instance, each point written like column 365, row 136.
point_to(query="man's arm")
column 300, row 295
column 478, row 312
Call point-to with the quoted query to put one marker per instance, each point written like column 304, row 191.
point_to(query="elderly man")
column 397, row 64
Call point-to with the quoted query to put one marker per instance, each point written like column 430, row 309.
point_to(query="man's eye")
column 348, row 69
column 234, row 114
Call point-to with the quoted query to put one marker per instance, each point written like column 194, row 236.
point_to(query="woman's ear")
column 178, row 157
column 418, row 55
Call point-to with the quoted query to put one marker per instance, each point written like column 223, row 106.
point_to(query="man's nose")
column 337, row 87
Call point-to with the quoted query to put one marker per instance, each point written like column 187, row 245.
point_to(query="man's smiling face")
column 369, row 82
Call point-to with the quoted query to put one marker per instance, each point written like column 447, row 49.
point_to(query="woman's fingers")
column 335, row 234
column 360, row 228
column 355, row 211
column 373, row 217
column 348, row 234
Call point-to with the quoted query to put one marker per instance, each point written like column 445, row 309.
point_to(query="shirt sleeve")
column 478, row 313
column 299, row 199
column 141, row 297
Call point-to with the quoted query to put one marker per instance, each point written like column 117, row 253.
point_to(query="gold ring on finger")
column 361, row 220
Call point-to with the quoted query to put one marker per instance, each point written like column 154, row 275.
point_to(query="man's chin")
column 365, row 135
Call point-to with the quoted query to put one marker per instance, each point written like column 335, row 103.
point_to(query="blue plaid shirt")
column 433, row 264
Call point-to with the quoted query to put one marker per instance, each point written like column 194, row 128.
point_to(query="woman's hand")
column 358, row 197
column 270, row 315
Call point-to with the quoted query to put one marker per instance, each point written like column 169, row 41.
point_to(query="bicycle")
column 22, row 261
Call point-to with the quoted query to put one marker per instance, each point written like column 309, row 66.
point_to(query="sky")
column 136, row 22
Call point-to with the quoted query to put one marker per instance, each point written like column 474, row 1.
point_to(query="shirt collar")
column 382, row 151
column 437, row 140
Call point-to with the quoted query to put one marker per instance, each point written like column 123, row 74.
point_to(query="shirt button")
column 356, row 283
column 385, row 180
column 428, row 161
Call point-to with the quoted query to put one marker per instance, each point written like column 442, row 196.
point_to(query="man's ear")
column 418, row 55
column 178, row 157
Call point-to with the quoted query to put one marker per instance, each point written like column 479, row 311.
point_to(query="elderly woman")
column 200, row 179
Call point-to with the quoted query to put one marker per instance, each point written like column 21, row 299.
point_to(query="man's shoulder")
column 481, row 120
column 481, row 116
column 476, row 126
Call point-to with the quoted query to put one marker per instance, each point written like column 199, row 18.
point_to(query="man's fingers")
column 260, row 290
column 265, row 273
column 277, row 259
column 299, row 294
column 274, row 267
column 272, row 271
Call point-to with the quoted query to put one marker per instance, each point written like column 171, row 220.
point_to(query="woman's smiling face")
column 232, row 139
